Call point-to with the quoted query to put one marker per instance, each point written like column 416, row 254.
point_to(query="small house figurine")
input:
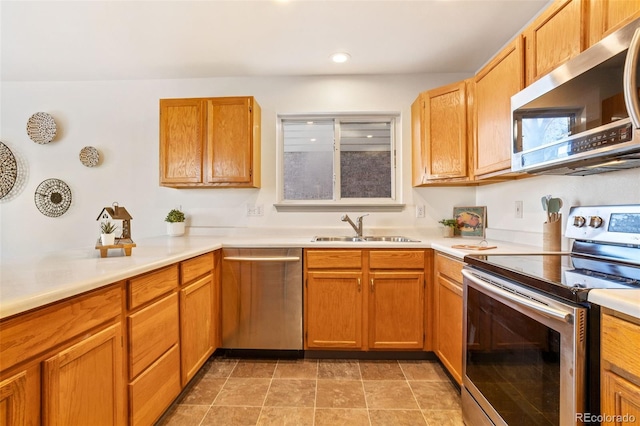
column 122, row 218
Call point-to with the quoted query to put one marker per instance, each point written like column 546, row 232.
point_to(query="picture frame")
column 472, row 221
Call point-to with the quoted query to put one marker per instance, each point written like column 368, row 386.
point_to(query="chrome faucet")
column 358, row 228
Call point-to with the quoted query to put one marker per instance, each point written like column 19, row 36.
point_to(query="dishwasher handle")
column 262, row 258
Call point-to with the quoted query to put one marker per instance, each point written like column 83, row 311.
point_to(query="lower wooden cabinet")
column 63, row 364
column 620, row 379
column 198, row 315
column 333, row 310
column 364, row 299
column 83, row 383
column 448, row 342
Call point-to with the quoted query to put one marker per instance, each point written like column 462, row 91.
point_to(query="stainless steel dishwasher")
column 262, row 298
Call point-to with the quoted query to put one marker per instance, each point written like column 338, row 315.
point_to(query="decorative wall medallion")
column 53, row 197
column 89, row 156
column 41, row 128
column 8, row 170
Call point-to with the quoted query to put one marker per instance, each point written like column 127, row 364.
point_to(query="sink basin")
column 392, row 239
column 338, row 239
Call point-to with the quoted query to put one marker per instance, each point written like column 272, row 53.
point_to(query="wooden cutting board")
column 472, row 247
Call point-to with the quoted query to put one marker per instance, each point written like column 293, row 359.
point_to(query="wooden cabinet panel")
column 229, row 128
column 445, row 127
column 210, row 142
column 396, row 310
column 13, row 400
column 153, row 391
column 556, row 36
column 197, row 327
column 448, row 321
column 449, row 315
column 83, row 383
column 182, row 131
column 606, row 16
column 620, row 344
column 333, row 259
column 196, row 267
column 27, row 335
column 150, row 286
column 396, row 259
column 620, row 399
column 333, row 314
column 494, row 85
column 152, row 331
column 418, row 166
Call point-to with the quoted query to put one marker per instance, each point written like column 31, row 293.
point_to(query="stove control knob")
column 595, row 221
column 579, row 221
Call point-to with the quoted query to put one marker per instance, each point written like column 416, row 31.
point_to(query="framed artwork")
column 472, row 221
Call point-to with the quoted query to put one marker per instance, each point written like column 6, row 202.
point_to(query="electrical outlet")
column 517, row 213
column 420, row 210
column 255, row 210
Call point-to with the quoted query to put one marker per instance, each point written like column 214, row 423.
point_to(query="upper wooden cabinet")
column 554, row 37
column 440, row 135
column 500, row 79
column 210, row 142
column 606, row 16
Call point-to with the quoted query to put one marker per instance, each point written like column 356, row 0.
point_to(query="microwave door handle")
column 629, row 80
column 523, row 301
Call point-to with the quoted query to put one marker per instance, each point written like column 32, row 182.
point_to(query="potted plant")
column 108, row 233
column 449, row 227
column 175, row 223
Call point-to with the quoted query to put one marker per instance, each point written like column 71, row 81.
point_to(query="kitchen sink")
column 392, row 239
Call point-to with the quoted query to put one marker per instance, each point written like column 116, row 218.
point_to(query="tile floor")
column 317, row 392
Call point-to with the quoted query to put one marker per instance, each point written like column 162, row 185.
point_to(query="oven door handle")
column 536, row 306
column 262, row 259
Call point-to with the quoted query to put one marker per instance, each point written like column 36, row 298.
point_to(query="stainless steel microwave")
column 584, row 117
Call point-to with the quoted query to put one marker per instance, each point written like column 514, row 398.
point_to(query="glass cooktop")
column 564, row 275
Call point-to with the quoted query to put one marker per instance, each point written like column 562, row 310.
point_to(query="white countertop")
column 30, row 283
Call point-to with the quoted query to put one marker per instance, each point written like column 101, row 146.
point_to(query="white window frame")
column 393, row 203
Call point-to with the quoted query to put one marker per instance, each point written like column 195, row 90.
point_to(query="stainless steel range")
column 531, row 350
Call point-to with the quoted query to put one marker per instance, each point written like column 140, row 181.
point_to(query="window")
column 337, row 159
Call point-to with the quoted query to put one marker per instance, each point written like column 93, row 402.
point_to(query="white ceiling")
column 146, row 39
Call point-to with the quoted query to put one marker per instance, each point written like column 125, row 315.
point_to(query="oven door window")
column 514, row 361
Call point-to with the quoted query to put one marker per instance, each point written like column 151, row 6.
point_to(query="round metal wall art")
column 53, row 197
column 8, row 170
column 41, row 128
column 89, row 156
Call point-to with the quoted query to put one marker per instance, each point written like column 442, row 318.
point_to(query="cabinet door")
column 445, row 132
column 606, row 16
column 182, row 136
column 82, row 384
column 417, row 142
column 494, row 85
column 229, row 140
column 14, row 407
column 333, row 314
column 197, row 326
column 396, row 310
column 556, row 36
column 620, row 399
column 448, row 323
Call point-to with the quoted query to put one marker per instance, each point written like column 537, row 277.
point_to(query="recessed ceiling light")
column 340, row 57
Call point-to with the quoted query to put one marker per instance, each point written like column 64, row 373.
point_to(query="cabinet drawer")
column 621, row 344
column 449, row 267
column 193, row 268
column 154, row 390
column 396, row 259
column 147, row 287
column 26, row 335
column 334, row 259
column 152, row 331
